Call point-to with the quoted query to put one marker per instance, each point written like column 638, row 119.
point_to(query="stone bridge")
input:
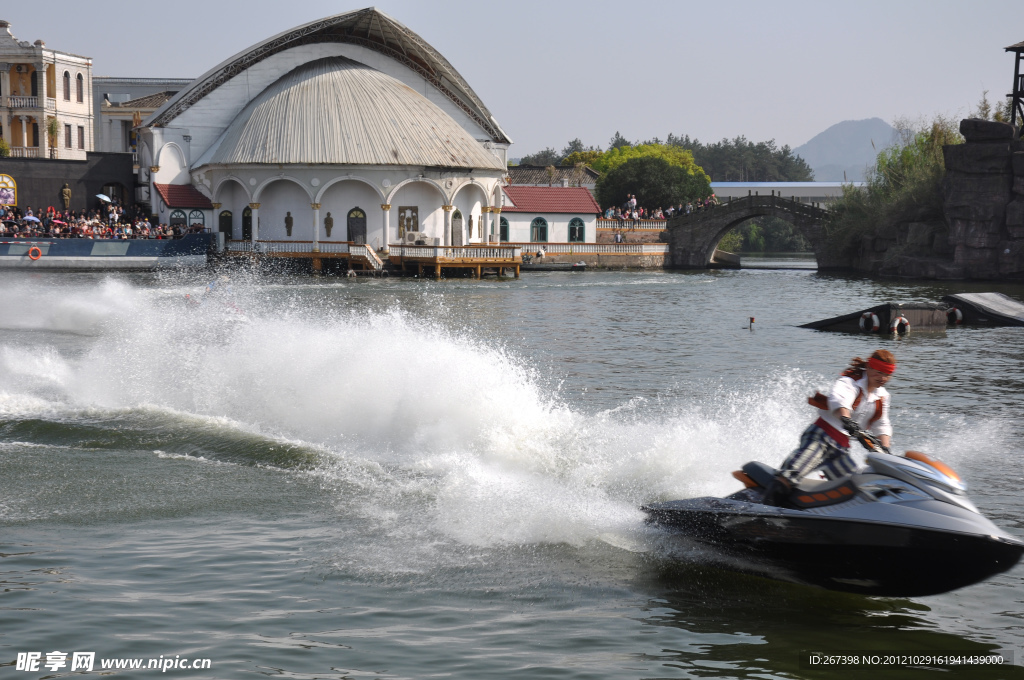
column 693, row 237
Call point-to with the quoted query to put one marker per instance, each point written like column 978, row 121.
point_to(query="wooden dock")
column 358, row 256
column 478, row 258
column 355, row 255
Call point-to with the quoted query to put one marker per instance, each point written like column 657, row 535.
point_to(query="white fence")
column 507, row 252
column 286, row 247
column 597, row 248
column 644, row 225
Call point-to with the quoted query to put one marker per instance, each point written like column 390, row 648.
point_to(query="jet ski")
column 901, row 527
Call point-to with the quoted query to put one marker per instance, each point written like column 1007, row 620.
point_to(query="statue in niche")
column 288, row 223
column 408, row 219
column 328, row 224
column 469, row 225
column 65, row 193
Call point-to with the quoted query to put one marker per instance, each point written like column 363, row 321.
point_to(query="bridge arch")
column 693, row 237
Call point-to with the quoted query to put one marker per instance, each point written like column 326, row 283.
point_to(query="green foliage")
column 52, row 130
column 618, row 141
column 673, row 155
column 906, row 179
column 547, row 156
column 731, row 242
column 766, row 235
column 588, row 157
column 999, row 112
column 655, row 181
column 740, row 160
column 5, row 148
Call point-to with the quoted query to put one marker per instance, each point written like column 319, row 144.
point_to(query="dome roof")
column 338, row 111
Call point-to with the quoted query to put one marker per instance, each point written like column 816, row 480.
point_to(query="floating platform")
column 541, row 266
column 887, row 319
column 991, row 309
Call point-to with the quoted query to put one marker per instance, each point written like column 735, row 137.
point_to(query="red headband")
column 881, row 366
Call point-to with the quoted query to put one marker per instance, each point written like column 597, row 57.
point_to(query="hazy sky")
column 552, row 70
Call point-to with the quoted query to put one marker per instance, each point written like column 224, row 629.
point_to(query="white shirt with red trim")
column 844, row 393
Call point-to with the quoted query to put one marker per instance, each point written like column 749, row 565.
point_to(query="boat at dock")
column 105, row 254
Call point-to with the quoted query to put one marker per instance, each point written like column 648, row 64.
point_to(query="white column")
column 44, row 140
column 485, row 224
column 5, row 89
column 386, row 207
column 496, row 221
column 255, row 222
column 316, row 226
column 447, row 224
column 26, row 136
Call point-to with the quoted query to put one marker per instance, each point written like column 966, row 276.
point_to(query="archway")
column 693, row 238
column 232, row 196
column 357, row 226
column 284, row 207
column 346, row 200
column 503, row 228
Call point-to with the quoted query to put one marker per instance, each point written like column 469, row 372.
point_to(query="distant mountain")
column 846, row 147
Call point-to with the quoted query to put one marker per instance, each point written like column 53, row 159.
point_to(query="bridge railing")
column 618, row 225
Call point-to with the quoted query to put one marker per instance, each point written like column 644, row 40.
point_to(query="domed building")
column 350, row 128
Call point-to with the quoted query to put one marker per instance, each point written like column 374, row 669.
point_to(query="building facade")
column 548, row 215
column 120, row 104
column 350, row 128
column 45, row 100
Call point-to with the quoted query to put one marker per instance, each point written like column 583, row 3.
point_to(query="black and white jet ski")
column 901, row 527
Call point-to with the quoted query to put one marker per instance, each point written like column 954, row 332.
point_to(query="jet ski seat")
column 762, row 474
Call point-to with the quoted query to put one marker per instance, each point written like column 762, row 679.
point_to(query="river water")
column 324, row 478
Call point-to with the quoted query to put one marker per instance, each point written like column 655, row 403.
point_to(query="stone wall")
column 983, row 201
column 40, row 180
column 974, row 228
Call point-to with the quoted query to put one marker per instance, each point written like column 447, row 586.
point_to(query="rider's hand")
column 851, row 427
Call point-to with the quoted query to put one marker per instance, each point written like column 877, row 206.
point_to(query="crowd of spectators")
column 113, row 221
column 632, row 213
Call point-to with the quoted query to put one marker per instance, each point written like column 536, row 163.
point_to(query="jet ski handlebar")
column 866, row 439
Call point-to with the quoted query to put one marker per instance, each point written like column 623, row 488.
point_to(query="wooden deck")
column 356, row 254
column 430, row 258
column 475, row 257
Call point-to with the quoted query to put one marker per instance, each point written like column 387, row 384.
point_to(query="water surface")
column 324, row 478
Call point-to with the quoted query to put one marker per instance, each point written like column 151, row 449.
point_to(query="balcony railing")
column 22, row 102
column 25, row 152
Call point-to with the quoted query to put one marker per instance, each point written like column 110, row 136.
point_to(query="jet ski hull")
column 858, row 556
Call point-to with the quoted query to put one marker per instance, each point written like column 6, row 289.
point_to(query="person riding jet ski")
column 857, row 403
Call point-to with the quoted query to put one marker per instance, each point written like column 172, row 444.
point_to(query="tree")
column 546, row 157
column 654, row 181
column 999, row 112
column 618, row 141
column 740, row 160
column 587, row 157
column 676, row 156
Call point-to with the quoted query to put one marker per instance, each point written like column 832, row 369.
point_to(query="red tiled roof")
column 551, row 200
column 182, row 196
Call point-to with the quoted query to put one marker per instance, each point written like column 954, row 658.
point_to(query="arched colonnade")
column 353, row 208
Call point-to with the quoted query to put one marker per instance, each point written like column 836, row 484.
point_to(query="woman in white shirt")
column 858, row 401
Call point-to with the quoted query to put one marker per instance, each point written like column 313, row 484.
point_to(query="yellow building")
column 45, row 99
